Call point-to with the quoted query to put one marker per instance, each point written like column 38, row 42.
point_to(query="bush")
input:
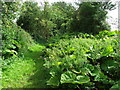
column 85, row 62
column 106, row 34
column 14, row 39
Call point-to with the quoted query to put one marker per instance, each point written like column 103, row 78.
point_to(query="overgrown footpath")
column 74, row 57
column 70, row 61
column 25, row 71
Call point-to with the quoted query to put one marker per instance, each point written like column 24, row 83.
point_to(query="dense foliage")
column 60, row 17
column 44, row 22
column 88, row 63
column 59, row 46
column 36, row 21
column 13, row 37
column 90, row 17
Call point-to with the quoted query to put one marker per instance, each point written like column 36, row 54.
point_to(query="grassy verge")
column 27, row 71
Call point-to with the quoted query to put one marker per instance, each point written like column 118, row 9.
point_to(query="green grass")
column 27, row 71
column 18, row 73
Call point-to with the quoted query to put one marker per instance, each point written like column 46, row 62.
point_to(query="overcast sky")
column 113, row 15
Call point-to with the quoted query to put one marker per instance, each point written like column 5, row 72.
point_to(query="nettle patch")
column 87, row 63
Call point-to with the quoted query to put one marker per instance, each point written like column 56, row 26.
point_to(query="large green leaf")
column 70, row 77
column 82, row 79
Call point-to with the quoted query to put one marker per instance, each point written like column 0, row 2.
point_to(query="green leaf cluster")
column 83, row 61
column 14, row 38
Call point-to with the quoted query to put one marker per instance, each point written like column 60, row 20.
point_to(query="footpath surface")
column 27, row 71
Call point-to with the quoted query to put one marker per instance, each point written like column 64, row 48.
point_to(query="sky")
column 112, row 15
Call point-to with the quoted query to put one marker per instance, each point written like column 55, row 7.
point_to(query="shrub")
column 85, row 62
column 106, row 34
column 14, row 39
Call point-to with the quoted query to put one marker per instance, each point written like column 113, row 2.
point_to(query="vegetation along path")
column 27, row 71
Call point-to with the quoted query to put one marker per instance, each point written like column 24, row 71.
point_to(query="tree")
column 29, row 16
column 61, row 15
column 35, row 20
column 90, row 17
